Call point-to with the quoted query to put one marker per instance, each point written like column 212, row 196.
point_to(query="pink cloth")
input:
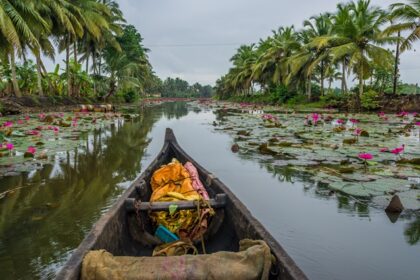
column 196, row 183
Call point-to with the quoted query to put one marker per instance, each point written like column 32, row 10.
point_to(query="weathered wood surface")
column 218, row 202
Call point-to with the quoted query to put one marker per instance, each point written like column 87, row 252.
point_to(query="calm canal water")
column 329, row 237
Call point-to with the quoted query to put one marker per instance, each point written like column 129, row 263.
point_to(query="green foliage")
column 280, row 94
column 180, row 88
column 329, row 48
column 405, row 89
column 130, row 96
column 334, row 99
column 369, row 100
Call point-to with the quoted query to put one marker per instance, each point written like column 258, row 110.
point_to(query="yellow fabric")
column 172, row 182
column 172, row 178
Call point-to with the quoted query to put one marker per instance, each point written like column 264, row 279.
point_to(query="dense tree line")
column 103, row 55
column 180, row 88
column 352, row 41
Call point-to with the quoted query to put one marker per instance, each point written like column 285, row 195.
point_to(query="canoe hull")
column 114, row 231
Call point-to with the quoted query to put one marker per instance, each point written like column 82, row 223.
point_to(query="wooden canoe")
column 115, row 232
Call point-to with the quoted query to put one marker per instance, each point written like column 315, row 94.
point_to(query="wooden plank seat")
column 130, row 204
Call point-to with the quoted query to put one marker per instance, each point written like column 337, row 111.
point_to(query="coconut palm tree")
column 16, row 19
column 358, row 39
column 310, row 58
column 404, row 18
column 279, row 47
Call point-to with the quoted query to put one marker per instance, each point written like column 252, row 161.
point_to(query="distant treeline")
column 180, row 88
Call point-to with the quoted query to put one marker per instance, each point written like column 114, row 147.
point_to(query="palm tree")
column 15, row 29
column 408, row 16
column 319, row 26
column 243, row 62
column 357, row 40
column 280, row 46
column 310, row 58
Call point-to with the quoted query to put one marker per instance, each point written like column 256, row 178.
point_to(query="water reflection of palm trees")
column 41, row 222
column 412, row 232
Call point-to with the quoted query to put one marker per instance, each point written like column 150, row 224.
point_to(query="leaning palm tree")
column 281, row 45
column 243, row 62
column 409, row 17
column 16, row 18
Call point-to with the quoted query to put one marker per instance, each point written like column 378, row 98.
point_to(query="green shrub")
column 334, row 99
column 370, row 100
column 130, row 96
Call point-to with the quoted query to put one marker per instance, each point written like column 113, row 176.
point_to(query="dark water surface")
column 329, row 237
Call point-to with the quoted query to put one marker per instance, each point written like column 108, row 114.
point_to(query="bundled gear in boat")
column 174, row 182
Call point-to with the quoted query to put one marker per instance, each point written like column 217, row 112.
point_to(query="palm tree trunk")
column 359, row 94
column 14, row 77
column 309, row 88
column 74, row 87
column 343, row 78
column 397, row 62
column 69, row 93
column 94, row 64
column 75, row 51
column 99, row 66
column 322, row 78
column 39, row 73
column 112, row 87
column 87, row 63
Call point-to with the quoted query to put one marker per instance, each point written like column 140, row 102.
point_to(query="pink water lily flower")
column 340, row 121
column 365, row 156
column 9, row 146
column 398, row 150
column 315, row 117
column 417, row 123
column 383, row 150
column 41, row 116
column 357, row 131
column 20, row 121
column 354, row 121
column 31, row 150
column 27, row 118
column 402, row 114
column 269, row 117
column 8, row 124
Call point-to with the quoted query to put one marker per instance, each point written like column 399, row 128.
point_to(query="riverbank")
column 384, row 103
column 35, row 104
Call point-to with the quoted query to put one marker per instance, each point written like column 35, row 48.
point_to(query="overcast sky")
column 194, row 39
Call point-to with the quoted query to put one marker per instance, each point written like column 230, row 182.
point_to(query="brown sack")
column 252, row 262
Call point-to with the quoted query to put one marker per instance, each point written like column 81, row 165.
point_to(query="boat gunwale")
column 72, row 268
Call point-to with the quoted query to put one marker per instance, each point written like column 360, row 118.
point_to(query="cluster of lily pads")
column 27, row 142
column 368, row 156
